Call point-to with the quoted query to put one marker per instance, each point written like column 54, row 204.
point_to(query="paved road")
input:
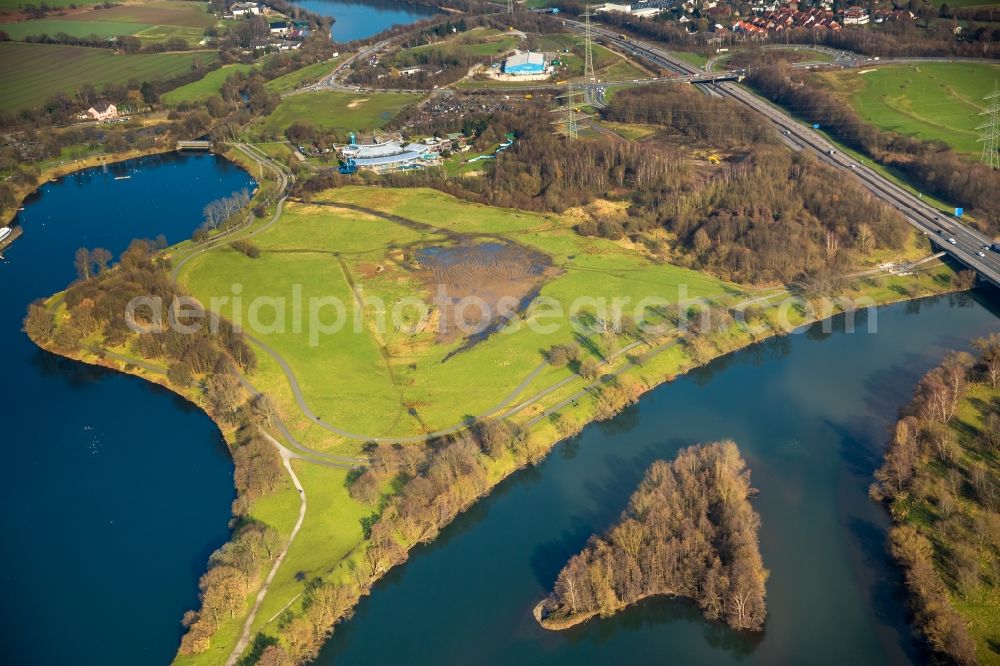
column 940, row 228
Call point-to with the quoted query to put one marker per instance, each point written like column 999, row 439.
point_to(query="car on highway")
column 953, row 241
column 980, row 254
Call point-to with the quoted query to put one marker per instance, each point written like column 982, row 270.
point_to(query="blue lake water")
column 810, row 413
column 114, row 491
column 357, row 19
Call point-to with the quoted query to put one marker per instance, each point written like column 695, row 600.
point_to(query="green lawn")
column 200, row 90
column 696, row 59
column 392, row 382
column 928, row 101
column 301, row 77
column 481, row 43
column 34, row 72
column 338, row 111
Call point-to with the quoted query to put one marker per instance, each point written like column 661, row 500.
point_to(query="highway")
column 937, row 226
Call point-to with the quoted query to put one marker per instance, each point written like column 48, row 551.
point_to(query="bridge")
column 963, row 243
column 194, row 145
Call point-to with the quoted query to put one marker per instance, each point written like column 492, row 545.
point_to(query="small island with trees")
column 689, row 531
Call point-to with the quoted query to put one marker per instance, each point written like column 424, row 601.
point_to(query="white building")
column 103, row 111
column 629, row 9
column 245, row 9
column 855, row 16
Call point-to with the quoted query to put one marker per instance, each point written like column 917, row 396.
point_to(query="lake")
column 810, row 413
column 114, row 491
column 358, row 19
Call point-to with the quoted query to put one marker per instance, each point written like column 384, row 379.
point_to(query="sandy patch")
column 356, row 103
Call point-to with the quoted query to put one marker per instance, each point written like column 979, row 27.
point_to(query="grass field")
column 980, row 605
column 303, row 76
column 14, row 5
column 34, row 72
column 151, row 21
column 338, row 111
column 209, row 85
column 392, row 383
column 481, row 43
column 928, row 101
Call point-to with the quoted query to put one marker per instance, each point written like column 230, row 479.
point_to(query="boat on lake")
column 4, row 233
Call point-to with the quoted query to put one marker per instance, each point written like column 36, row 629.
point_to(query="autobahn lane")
column 968, row 241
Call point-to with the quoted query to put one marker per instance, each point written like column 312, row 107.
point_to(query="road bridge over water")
column 960, row 241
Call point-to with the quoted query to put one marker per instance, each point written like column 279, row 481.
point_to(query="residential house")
column 103, row 111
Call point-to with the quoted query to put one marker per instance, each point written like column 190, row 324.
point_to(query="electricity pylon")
column 569, row 124
column 510, row 6
column 991, row 129
column 588, row 45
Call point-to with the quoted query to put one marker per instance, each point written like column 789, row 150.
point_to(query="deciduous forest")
column 688, row 531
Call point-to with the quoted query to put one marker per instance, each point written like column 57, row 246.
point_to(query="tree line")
column 930, row 165
column 96, row 304
column 689, row 531
column 764, row 215
column 941, row 483
column 412, row 492
column 206, row 361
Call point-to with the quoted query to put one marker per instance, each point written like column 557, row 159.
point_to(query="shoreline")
column 62, row 170
column 546, row 438
column 546, row 446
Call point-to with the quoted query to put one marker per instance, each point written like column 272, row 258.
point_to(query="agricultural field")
column 151, row 21
column 200, row 90
column 32, row 73
column 336, row 111
column 9, row 6
column 929, row 101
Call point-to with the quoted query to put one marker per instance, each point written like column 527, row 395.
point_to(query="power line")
column 991, row 129
column 569, row 123
column 588, row 58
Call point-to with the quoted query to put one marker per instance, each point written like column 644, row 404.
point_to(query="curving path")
column 244, row 640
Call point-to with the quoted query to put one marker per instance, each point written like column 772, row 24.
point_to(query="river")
column 358, row 19
column 114, row 491
column 810, row 413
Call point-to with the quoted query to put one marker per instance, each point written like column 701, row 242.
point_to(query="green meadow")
column 338, row 111
column 382, row 382
column 202, row 89
column 302, row 76
column 929, row 101
column 32, row 73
